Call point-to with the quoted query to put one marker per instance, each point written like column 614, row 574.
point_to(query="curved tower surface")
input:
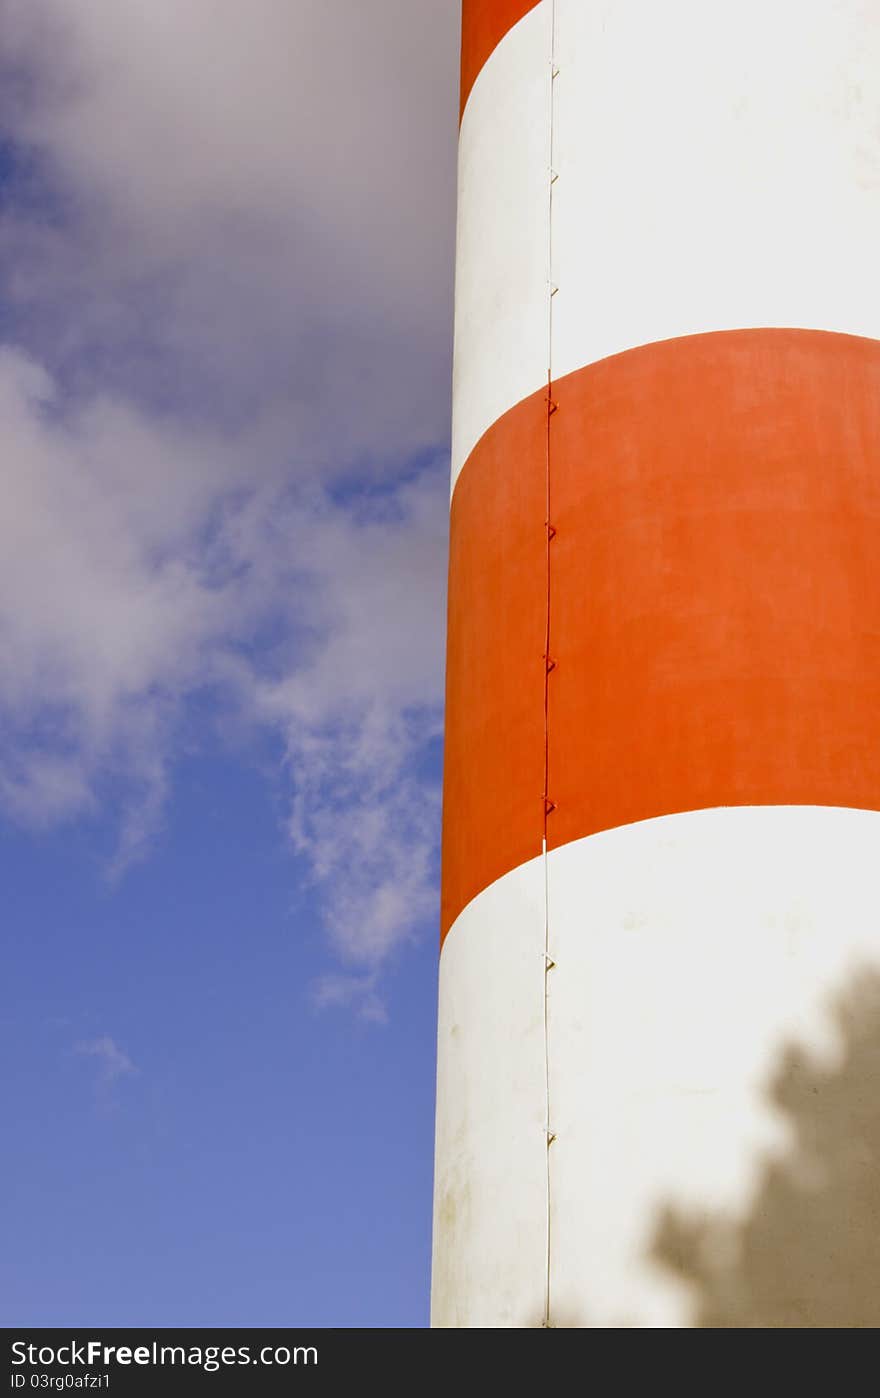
column 661, row 842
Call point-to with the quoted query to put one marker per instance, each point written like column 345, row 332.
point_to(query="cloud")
column 226, row 255
column 114, row 612
column 112, row 1063
column 107, row 598
column 351, row 992
column 357, row 718
column 256, row 204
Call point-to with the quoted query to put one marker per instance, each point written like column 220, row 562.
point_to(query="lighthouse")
column 661, row 838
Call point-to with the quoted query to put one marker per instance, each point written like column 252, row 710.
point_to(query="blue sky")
column 224, row 386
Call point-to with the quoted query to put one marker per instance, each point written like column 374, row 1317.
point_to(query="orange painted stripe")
column 484, row 24
column 494, row 746
column 715, row 596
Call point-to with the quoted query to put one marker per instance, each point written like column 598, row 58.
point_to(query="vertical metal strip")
column 548, row 661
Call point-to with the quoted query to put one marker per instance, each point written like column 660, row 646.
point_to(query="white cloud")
column 121, row 596
column 227, row 258
column 113, row 1064
column 351, row 992
column 358, row 716
column 262, row 193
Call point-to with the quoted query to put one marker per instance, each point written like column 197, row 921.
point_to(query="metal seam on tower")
column 547, row 663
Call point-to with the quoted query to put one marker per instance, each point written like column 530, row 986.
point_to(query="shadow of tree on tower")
column 807, row 1254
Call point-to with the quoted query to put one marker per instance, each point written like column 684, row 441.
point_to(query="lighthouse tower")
column 661, row 839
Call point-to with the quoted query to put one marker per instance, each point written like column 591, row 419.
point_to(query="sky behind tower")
column 226, row 256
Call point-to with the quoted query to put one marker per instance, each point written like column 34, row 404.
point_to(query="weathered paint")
column 711, row 724
column 490, row 1186
column 680, row 985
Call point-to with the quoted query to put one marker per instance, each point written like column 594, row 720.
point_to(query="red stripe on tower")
column 715, row 601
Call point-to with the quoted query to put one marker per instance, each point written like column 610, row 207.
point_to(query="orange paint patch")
column 714, row 601
column 484, row 24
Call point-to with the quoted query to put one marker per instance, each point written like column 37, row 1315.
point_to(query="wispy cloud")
column 226, row 254
column 357, row 719
column 360, row 993
column 111, row 1061
column 111, row 619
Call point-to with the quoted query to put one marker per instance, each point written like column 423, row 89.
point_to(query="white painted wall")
column 691, row 952
column 490, row 1185
column 719, row 168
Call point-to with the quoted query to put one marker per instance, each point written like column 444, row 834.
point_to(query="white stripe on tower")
column 721, row 171
column 500, row 271
column 711, row 440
